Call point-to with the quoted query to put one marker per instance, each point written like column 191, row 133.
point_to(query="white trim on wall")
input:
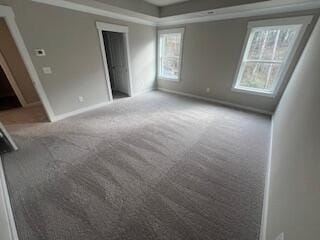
column 228, row 104
column 144, row 91
column 79, row 111
column 105, row 65
column 112, row 27
column 119, row 29
column 240, row 11
column 266, row 197
column 8, row 14
column 12, row 81
column 304, row 20
column 7, row 223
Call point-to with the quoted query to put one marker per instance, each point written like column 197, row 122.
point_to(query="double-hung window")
column 268, row 53
column 170, row 54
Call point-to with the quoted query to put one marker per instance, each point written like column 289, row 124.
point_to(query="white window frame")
column 304, row 21
column 166, row 31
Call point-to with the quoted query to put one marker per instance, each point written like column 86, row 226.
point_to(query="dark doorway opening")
column 8, row 98
column 116, row 54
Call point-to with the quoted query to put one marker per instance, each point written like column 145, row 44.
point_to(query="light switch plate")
column 280, row 237
column 40, row 52
column 47, row 70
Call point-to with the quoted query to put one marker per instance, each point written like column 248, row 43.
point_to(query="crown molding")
column 246, row 10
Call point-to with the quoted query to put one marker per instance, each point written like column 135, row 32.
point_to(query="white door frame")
column 12, row 81
column 119, row 29
column 9, row 17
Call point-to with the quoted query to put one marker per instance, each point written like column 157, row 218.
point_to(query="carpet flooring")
column 156, row 166
column 20, row 117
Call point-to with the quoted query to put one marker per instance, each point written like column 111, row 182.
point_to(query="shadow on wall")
column 143, row 66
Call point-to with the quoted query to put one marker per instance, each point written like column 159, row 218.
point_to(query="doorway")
column 19, row 101
column 13, row 107
column 8, row 98
column 115, row 53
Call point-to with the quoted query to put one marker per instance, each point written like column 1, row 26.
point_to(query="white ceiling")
column 162, row 3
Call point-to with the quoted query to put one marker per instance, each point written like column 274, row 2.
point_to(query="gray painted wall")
column 211, row 54
column 71, row 41
column 295, row 164
column 134, row 5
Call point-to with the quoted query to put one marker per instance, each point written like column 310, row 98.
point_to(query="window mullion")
column 260, row 56
column 275, row 45
column 273, row 57
column 264, row 45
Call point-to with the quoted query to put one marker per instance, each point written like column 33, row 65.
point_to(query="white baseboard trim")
column 144, row 91
column 263, row 228
column 79, row 111
column 34, row 104
column 96, row 106
column 8, row 229
column 217, row 101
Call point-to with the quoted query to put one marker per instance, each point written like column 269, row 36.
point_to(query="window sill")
column 169, row 79
column 254, row 92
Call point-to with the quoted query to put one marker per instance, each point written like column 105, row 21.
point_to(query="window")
column 268, row 54
column 169, row 54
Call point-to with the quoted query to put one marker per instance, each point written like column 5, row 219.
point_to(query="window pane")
column 269, row 45
column 256, row 45
column 263, row 44
column 170, row 51
column 169, row 67
column 265, row 56
column 259, row 75
column 285, row 39
column 171, row 45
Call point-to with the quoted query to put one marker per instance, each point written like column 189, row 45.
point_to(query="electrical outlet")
column 81, row 99
column 280, row 237
column 47, row 70
column 208, row 90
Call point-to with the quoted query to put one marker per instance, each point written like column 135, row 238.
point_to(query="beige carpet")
column 15, row 116
column 157, row 166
